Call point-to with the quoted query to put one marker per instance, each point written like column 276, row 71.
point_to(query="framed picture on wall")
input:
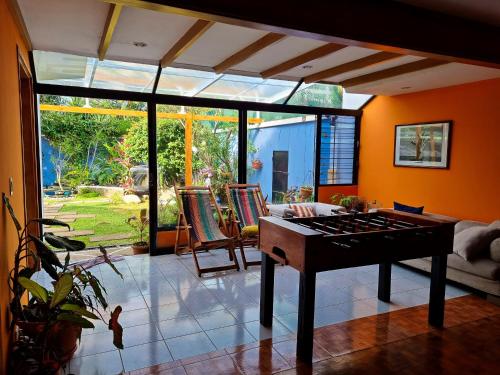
column 424, row 145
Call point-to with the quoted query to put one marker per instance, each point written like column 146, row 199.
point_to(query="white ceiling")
column 75, row 27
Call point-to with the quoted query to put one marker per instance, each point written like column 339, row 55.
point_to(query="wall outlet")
column 11, row 186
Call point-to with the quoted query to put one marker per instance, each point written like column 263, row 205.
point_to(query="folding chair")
column 246, row 205
column 196, row 217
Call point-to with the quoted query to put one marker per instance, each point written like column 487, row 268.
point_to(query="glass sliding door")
column 93, row 167
column 195, row 146
column 281, row 155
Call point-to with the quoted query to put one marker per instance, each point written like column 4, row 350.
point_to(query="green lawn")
column 110, row 218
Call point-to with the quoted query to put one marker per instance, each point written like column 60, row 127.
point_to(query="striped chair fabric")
column 199, row 214
column 248, row 206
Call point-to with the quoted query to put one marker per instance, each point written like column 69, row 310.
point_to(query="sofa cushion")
column 466, row 224
column 495, row 250
column 409, row 209
column 482, row 267
column 471, row 243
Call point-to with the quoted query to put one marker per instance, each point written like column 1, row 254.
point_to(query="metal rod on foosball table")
column 266, row 290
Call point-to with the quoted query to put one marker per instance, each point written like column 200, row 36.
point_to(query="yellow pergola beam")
column 188, row 150
column 132, row 113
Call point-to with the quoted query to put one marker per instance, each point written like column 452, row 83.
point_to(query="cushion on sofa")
column 466, row 224
column 471, row 243
column 495, row 250
column 482, row 267
column 303, row 210
column 409, row 209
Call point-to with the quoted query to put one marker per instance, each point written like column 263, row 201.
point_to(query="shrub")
column 117, row 198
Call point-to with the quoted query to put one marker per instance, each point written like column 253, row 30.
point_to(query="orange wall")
column 326, row 192
column 470, row 188
column 10, row 159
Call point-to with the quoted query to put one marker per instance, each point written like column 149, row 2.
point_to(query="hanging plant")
column 257, row 164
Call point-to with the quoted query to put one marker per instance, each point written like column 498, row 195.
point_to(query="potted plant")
column 305, row 193
column 140, row 225
column 52, row 320
column 256, row 164
column 349, row 202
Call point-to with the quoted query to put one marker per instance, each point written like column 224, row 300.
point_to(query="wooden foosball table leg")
column 305, row 329
column 384, row 281
column 438, row 287
column 266, row 290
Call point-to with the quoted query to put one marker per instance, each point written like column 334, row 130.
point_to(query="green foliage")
column 140, row 224
column 71, row 285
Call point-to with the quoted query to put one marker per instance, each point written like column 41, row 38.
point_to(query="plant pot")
column 306, row 192
column 140, row 248
column 60, row 339
column 256, row 164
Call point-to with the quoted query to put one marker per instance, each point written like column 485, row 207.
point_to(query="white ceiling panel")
column 160, row 31
column 72, row 26
column 440, row 76
column 219, row 42
column 337, row 58
column 277, row 53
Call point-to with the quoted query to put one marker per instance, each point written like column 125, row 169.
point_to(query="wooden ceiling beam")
column 186, row 41
column 364, row 62
column 393, row 72
column 248, row 51
column 109, row 28
column 302, row 59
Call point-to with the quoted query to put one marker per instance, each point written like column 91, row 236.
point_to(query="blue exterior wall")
column 48, row 170
column 298, row 139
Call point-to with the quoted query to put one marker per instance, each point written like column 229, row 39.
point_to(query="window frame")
column 153, row 99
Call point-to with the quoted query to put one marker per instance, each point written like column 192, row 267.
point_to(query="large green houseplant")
column 52, row 320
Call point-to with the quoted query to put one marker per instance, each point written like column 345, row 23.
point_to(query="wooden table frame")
column 307, row 283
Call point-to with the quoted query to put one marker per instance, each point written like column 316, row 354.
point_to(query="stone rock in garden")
column 131, row 198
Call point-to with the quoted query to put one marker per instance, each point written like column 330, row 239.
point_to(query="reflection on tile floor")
column 171, row 314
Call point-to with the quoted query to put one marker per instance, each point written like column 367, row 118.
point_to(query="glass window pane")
column 63, row 69
column 184, row 82
column 318, row 95
column 354, row 101
column 115, row 75
column 338, row 136
column 195, row 146
column 94, row 157
column 281, row 155
column 252, row 89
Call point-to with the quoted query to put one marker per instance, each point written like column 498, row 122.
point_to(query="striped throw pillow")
column 304, row 211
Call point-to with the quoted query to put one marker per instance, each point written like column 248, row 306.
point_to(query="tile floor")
column 170, row 314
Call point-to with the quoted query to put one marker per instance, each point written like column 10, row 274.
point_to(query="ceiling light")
column 139, row 44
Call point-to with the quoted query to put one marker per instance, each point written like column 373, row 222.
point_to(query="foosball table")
column 324, row 243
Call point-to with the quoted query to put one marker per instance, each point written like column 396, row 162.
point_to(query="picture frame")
column 423, row 145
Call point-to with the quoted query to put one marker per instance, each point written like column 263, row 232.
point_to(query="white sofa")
column 482, row 274
column 322, row 209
